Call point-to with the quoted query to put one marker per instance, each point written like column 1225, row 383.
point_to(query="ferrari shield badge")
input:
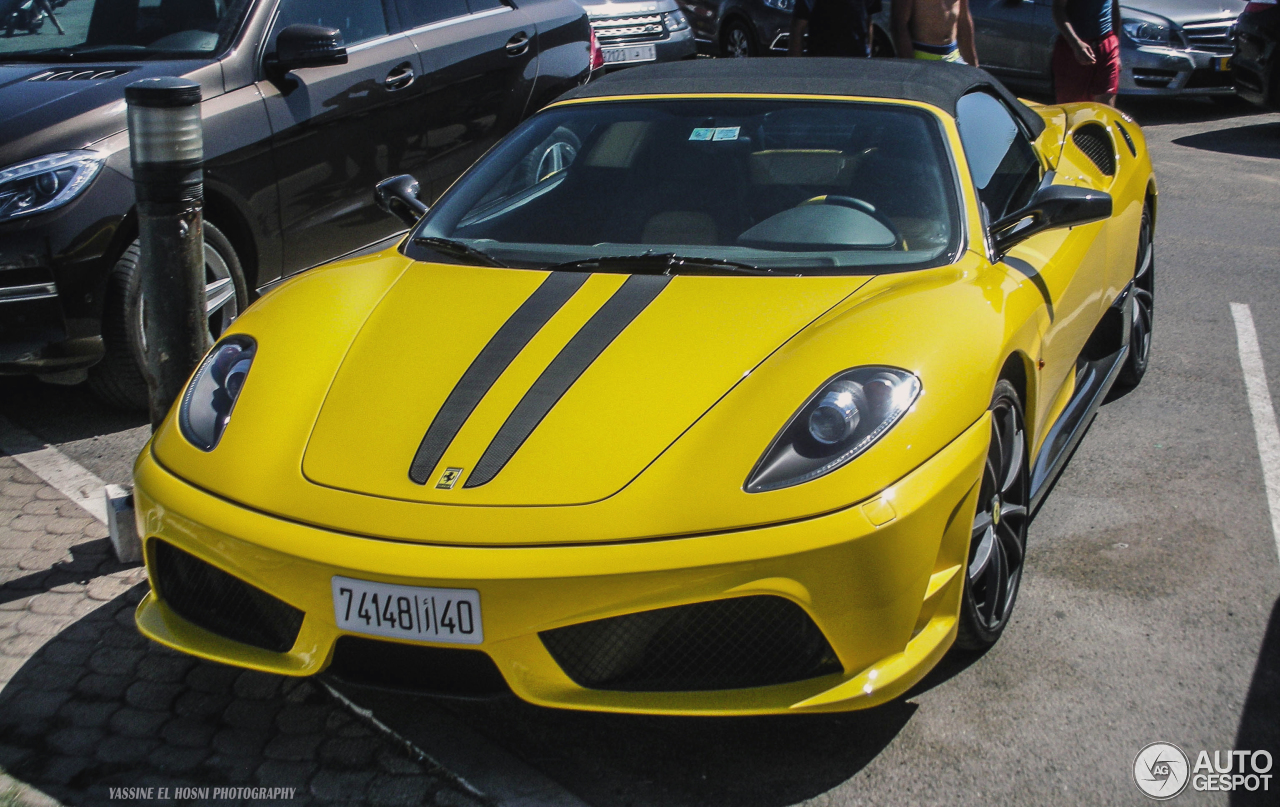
column 449, row 478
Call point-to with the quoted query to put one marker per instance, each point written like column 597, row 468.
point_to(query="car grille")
column 1211, row 35
column 1154, row 79
column 416, row 668
column 724, row 644
column 1096, row 144
column 220, row 603
column 628, row 30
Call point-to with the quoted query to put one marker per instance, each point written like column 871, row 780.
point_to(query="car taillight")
column 597, row 55
column 1255, row 6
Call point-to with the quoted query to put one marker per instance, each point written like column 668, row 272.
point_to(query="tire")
column 998, row 542
column 117, row 380
column 1144, row 290
column 737, row 41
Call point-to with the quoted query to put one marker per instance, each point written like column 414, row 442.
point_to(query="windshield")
column 116, row 30
column 779, row 185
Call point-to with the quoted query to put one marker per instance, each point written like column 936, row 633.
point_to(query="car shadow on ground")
column 1154, row 111
column 60, row 414
column 639, row 760
column 1258, row 140
column 98, row 706
column 1260, row 720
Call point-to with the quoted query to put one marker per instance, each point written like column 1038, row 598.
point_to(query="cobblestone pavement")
column 88, row 704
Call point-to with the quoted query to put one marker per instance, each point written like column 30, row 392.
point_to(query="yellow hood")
column 541, row 389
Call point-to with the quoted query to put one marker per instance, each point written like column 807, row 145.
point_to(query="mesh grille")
column 209, row 597
column 416, row 668
column 724, row 644
column 1093, row 140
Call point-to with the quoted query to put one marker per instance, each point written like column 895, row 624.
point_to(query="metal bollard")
column 166, row 147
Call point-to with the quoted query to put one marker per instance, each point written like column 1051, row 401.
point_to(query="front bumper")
column 1151, row 70
column 882, row 581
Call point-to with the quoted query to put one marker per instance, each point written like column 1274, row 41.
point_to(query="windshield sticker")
column 718, row 133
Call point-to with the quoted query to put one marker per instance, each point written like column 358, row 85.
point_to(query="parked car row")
column 296, row 136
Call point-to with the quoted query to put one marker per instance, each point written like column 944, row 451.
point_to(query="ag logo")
column 449, row 478
column 1161, row 770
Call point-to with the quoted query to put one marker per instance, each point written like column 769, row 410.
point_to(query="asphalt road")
column 1149, row 610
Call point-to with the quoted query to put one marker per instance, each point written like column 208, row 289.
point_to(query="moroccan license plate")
column 408, row 612
column 1222, row 63
column 633, row 53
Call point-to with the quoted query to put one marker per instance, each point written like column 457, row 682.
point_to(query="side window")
column 416, row 13
column 1001, row 159
column 358, row 20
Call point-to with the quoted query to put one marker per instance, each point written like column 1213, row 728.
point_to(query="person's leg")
column 44, row 6
column 1070, row 78
column 1106, row 83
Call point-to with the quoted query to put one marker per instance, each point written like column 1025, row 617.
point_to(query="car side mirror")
column 1050, row 207
column 399, row 197
column 299, row 46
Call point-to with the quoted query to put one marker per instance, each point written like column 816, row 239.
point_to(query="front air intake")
column 723, row 644
column 1093, row 140
column 208, row 597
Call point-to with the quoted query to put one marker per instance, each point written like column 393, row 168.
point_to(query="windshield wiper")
column 457, row 249
column 667, row 263
column 93, row 54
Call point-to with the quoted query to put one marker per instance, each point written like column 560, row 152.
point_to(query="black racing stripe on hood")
column 491, row 363
column 583, row 349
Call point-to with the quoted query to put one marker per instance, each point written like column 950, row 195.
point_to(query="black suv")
column 295, row 140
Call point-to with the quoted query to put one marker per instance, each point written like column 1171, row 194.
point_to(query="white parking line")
column 57, row 469
column 1264, row 413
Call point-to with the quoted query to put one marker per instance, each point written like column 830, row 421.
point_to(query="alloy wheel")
column 739, row 46
column 221, row 305
column 999, row 538
column 1143, row 295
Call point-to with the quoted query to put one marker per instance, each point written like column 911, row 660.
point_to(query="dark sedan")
column 294, row 146
column 1255, row 67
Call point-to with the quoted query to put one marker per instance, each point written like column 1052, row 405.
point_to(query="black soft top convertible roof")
column 938, row 83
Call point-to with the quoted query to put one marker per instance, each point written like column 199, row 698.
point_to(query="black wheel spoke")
column 1010, row 544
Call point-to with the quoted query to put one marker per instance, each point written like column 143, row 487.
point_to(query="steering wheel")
column 865, row 207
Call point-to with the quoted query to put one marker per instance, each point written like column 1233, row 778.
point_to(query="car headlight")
column 46, row 182
column 212, row 394
column 1144, row 32
column 675, row 20
column 841, row 420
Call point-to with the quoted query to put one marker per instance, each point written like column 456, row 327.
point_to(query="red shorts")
column 1074, row 82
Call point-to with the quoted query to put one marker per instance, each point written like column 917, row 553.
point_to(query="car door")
column 481, row 63
column 337, row 131
column 1067, row 266
column 1010, row 34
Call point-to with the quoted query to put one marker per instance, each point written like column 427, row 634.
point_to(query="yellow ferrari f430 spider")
column 720, row 387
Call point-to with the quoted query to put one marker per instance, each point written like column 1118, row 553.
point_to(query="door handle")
column 518, row 44
column 400, row 78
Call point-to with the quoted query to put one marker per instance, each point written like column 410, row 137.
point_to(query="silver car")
column 636, row 32
column 1167, row 47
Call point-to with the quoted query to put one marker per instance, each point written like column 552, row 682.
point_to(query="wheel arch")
column 737, row 14
column 226, row 215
